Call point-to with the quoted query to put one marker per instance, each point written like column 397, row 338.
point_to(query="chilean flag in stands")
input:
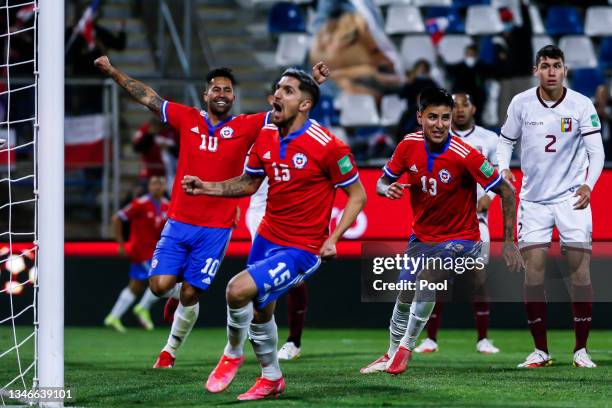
column 85, row 27
column 84, row 140
column 436, row 28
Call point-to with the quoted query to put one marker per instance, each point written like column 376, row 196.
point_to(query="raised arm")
column 142, row 93
column 240, row 186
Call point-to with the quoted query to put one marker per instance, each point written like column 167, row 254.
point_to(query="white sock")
column 238, row 321
column 419, row 314
column 184, row 320
column 147, row 299
column 264, row 338
column 175, row 292
column 125, row 299
column 397, row 326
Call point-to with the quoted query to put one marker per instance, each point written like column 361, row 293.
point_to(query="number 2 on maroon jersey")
column 548, row 148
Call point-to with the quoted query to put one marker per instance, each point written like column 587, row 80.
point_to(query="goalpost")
column 50, row 191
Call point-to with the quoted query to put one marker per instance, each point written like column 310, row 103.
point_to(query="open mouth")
column 277, row 107
column 221, row 102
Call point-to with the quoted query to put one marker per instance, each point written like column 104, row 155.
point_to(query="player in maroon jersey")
column 442, row 173
column 147, row 216
column 305, row 164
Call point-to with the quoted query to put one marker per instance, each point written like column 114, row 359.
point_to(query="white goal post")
column 50, row 189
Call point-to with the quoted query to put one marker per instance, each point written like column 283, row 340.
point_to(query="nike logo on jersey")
column 267, row 155
column 195, row 130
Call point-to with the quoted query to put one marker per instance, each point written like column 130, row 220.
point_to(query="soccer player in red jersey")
column 147, row 216
column 442, row 173
column 213, row 145
column 304, row 164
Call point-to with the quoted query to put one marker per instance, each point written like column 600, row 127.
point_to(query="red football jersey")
column 147, row 218
column 213, row 153
column 442, row 186
column 304, row 169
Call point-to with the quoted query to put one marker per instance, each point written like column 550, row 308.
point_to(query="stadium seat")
column 587, row 80
column 561, row 20
column 539, row 41
column 579, row 51
column 483, row 20
column 416, row 47
column 469, row 3
column 605, row 53
column 404, row 19
column 292, row 49
column 455, row 22
column 452, row 48
column 358, row 110
column 537, row 25
column 486, row 48
column 324, row 111
column 391, row 107
column 427, row 3
column 598, row 21
column 381, row 3
column 285, row 17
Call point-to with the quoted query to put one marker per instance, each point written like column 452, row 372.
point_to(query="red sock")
column 433, row 324
column 297, row 305
column 481, row 315
column 582, row 309
column 535, row 305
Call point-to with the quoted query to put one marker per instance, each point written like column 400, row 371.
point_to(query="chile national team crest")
column 299, row 160
column 566, row 124
column 226, row 132
column 445, row 176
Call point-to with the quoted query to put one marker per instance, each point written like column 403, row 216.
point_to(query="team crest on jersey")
column 445, row 176
column 154, row 263
column 566, row 124
column 226, row 132
column 299, row 160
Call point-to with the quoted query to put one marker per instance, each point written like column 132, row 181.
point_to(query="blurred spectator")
column 81, row 51
column 419, row 79
column 514, row 57
column 157, row 144
column 469, row 77
column 603, row 105
column 350, row 38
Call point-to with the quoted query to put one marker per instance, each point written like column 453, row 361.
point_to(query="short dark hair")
column 221, row 72
column 307, row 83
column 435, row 97
column 549, row 51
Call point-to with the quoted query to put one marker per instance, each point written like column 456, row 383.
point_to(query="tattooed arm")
column 139, row 91
column 240, row 186
column 513, row 258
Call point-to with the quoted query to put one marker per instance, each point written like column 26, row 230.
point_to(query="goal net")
column 26, row 346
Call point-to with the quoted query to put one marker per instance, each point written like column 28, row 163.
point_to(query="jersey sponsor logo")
column 267, row 155
column 345, row 165
column 528, row 123
column 299, row 160
column 195, row 130
column 445, row 176
column 566, row 124
column 226, row 132
column 486, row 168
column 594, row 120
column 414, row 168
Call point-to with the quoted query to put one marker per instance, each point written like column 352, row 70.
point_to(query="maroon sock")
column 481, row 315
column 433, row 324
column 297, row 305
column 535, row 305
column 582, row 309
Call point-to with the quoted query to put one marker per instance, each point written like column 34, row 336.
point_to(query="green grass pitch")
column 106, row 369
